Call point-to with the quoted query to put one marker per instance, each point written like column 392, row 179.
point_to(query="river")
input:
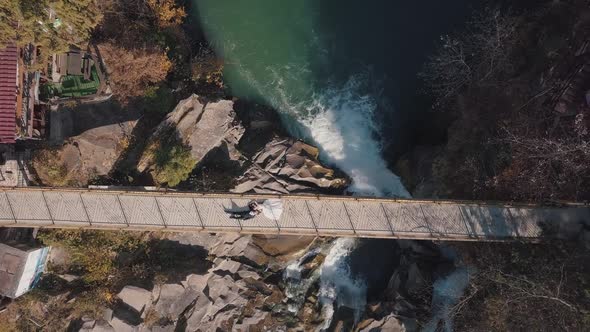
column 343, row 75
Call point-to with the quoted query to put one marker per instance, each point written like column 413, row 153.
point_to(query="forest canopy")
column 54, row 25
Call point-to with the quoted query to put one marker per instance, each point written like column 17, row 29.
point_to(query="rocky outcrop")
column 288, row 166
column 200, row 125
column 232, row 295
column 239, row 248
column 82, row 158
column 388, row 324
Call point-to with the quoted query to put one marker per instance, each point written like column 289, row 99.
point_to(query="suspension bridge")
column 341, row 216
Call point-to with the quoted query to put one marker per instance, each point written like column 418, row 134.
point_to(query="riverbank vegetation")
column 511, row 82
column 524, row 287
column 515, row 86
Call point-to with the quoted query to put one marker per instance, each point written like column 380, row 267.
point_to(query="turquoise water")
column 275, row 53
column 336, row 71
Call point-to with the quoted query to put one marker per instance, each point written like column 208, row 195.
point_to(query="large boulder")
column 228, row 266
column 135, row 297
column 248, row 322
column 288, row 166
column 240, row 248
column 169, row 294
column 387, row 324
column 81, row 158
column 120, row 325
column 200, row 125
column 282, row 245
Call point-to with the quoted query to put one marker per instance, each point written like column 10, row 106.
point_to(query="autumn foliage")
column 132, row 71
column 166, row 12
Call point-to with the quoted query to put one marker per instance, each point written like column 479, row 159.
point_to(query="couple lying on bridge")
column 270, row 208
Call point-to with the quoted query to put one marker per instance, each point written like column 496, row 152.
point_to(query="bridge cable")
column 275, row 218
column 426, row 222
column 122, row 210
column 10, row 206
column 470, row 231
column 387, row 219
column 349, row 219
column 47, row 206
column 311, row 217
column 85, row 209
column 160, row 211
column 198, row 213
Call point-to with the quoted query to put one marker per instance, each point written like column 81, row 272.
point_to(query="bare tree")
column 448, row 71
column 479, row 55
column 546, row 167
column 522, row 287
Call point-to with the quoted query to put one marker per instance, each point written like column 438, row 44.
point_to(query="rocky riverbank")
column 230, row 146
column 245, row 289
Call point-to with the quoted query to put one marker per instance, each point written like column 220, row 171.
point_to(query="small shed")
column 69, row 63
column 21, row 266
column 74, row 63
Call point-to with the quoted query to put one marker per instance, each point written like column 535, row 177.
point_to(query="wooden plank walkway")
column 302, row 215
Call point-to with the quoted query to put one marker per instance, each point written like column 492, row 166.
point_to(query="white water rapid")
column 341, row 122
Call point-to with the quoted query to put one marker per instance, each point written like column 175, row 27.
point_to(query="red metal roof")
column 8, row 93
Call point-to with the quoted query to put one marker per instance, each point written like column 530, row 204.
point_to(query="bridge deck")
column 302, row 215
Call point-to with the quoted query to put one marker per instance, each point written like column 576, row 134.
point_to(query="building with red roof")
column 8, row 93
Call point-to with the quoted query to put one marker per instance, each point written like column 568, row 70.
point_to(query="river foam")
column 340, row 120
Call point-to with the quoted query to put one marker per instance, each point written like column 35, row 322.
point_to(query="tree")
column 524, row 287
column 476, row 57
column 145, row 21
column 544, row 167
column 52, row 25
column 173, row 164
column 206, row 67
column 134, row 72
column 166, row 12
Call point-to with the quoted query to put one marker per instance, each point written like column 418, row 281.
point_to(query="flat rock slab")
column 228, row 266
column 169, row 294
column 135, row 297
column 120, row 325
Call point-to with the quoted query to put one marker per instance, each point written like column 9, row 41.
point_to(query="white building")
column 21, row 267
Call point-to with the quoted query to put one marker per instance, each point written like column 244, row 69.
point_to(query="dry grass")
column 50, row 169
